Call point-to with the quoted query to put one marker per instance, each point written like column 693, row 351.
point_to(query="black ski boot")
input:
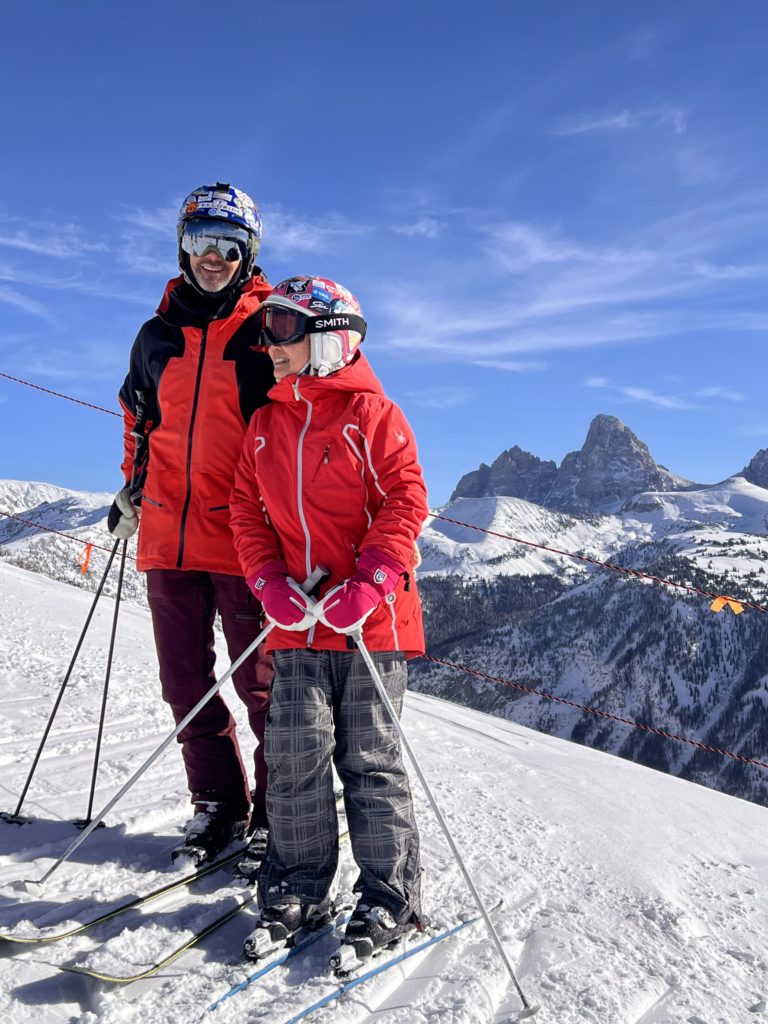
column 280, row 923
column 370, row 931
column 211, row 830
column 248, row 866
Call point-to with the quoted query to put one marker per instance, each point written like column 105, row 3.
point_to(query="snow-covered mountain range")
column 633, row 648
column 629, row 897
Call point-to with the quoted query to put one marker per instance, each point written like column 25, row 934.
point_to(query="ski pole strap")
column 141, row 434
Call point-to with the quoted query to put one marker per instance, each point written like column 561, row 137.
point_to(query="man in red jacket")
column 329, row 478
column 196, row 376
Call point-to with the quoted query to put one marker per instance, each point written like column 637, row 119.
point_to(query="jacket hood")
column 183, row 306
column 356, row 377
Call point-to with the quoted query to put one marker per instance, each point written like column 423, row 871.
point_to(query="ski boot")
column 211, row 830
column 369, row 932
column 248, row 866
column 278, row 925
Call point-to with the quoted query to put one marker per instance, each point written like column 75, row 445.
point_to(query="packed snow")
column 630, row 897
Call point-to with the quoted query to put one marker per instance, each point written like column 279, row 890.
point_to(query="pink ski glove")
column 346, row 607
column 284, row 602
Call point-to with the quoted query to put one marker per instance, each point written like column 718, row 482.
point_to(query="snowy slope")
column 631, row 897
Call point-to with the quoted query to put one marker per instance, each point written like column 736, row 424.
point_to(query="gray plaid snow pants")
column 325, row 710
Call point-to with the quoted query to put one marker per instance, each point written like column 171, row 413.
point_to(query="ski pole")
column 528, row 1010
column 100, row 732
column 37, row 886
column 96, row 596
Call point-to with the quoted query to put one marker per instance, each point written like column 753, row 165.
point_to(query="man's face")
column 212, row 272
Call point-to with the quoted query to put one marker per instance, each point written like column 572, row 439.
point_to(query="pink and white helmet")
column 321, row 308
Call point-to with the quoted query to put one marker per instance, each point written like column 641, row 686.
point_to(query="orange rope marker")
column 722, row 602
column 85, row 558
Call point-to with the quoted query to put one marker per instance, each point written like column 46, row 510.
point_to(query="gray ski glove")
column 123, row 519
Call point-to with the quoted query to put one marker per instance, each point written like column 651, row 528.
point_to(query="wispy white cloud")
column 441, row 398
column 520, row 246
column 11, row 297
column 729, row 271
column 161, row 220
column 662, row 400
column 545, row 291
column 286, row 234
column 57, row 241
column 657, row 399
column 80, row 282
column 424, row 227
column 668, row 116
column 510, row 365
column 577, row 124
column 718, row 392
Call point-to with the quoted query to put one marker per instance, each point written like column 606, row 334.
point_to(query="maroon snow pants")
column 184, row 605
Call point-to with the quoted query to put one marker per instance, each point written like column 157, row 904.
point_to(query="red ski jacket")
column 329, row 468
column 199, row 363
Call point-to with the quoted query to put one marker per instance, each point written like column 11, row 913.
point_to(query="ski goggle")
column 281, row 326
column 202, row 236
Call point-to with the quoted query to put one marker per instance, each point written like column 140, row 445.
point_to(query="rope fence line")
column 607, row 565
column 596, row 711
column 59, row 394
column 720, row 599
column 58, row 533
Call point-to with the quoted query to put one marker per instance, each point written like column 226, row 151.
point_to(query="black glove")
column 123, row 518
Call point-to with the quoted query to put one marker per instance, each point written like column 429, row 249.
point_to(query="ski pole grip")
column 315, row 578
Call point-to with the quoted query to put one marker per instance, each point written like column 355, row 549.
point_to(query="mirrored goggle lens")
column 282, row 326
column 230, row 243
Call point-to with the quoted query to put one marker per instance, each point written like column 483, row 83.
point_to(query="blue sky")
column 547, row 210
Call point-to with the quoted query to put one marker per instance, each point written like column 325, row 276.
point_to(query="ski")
column 138, row 901
column 165, row 961
column 148, row 972
column 121, row 908
column 277, row 961
column 385, row 965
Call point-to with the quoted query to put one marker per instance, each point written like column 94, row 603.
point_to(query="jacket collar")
column 183, row 306
column 357, row 377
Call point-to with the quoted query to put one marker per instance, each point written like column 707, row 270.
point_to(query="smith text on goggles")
column 280, row 326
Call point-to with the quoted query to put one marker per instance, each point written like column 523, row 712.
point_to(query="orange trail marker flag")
column 84, row 559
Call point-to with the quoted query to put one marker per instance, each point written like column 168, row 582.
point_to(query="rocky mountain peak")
column 757, row 470
column 613, row 465
column 515, row 472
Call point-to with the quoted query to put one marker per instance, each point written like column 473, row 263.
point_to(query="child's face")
column 287, row 359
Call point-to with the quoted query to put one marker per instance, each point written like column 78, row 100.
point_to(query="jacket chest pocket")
column 332, row 463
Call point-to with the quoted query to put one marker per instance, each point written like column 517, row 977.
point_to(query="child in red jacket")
column 329, row 478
